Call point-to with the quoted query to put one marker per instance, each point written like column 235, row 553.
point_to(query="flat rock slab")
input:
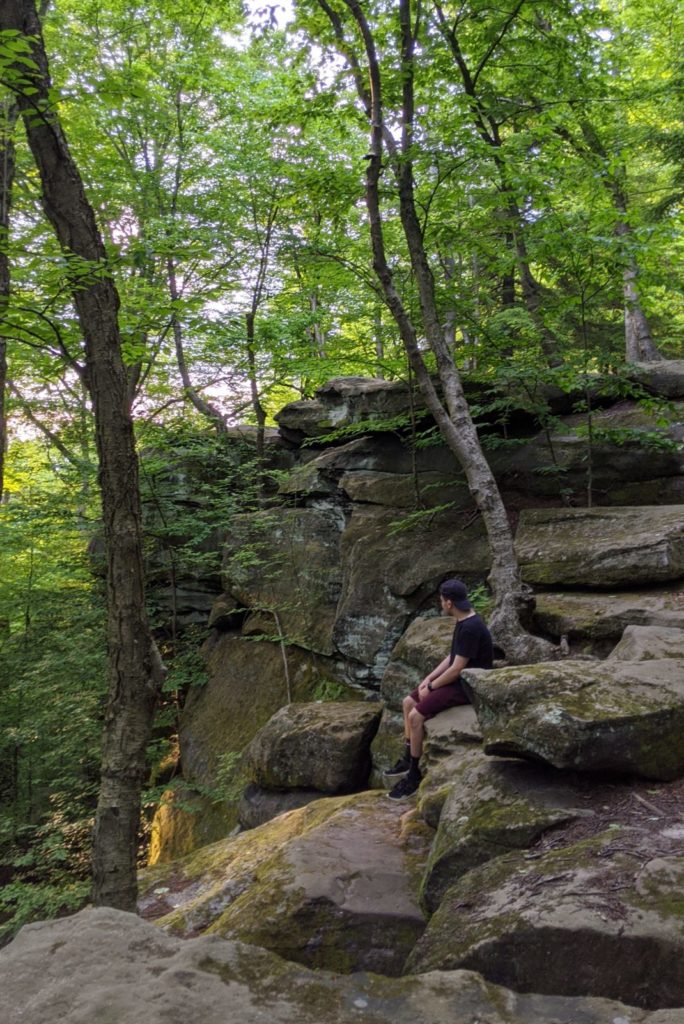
column 603, row 916
column 615, row 717
column 107, row 966
column 644, row 643
column 323, row 746
column 493, row 806
column 598, row 619
column 331, row 885
column 601, row 547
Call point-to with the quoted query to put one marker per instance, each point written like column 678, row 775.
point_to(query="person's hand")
column 423, row 689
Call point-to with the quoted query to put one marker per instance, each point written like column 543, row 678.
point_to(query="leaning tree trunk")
column 134, row 665
column 512, row 597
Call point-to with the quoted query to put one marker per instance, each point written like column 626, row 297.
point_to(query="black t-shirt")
column 472, row 640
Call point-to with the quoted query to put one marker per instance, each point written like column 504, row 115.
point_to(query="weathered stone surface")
column 493, row 806
column 103, row 966
column 246, row 686
column 405, row 490
column 389, row 576
column 450, row 731
column 330, row 885
column 617, row 717
column 344, row 402
column 257, row 805
column 287, row 561
column 601, row 547
column 665, row 377
column 627, row 468
column 588, row 918
column 645, row 643
column 598, row 619
column 321, row 746
column 424, row 644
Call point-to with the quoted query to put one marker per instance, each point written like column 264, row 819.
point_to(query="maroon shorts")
column 449, row 696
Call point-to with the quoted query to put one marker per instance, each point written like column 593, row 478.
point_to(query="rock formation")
column 543, row 850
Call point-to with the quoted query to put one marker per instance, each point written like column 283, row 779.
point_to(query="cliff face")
column 374, row 513
column 543, row 850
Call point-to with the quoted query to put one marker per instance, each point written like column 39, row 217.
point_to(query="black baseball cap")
column 456, row 592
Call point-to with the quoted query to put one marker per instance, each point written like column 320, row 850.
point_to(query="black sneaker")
column 405, row 787
column 401, row 767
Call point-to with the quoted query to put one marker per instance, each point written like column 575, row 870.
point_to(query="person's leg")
column 416, row 725
column 403, row 764
column 408, row 704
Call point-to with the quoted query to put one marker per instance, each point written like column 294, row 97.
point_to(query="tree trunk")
column 135, row 670
column 512, row 597
column 202, row 406
column 639, row 345
column 258, row 408
column 9, row 119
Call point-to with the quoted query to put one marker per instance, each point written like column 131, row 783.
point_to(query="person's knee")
column 415, row 719
column 408, row 704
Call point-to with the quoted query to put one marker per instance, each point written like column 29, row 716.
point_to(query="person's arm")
column 443, row 674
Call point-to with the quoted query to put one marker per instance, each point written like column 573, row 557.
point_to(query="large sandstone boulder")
column 246, row 686
column 319, row 746
column 598, row 619
column 644, row 643
column 597, row 917
column 287, row 562
column 627, row 468
column 104, row 965
column 601, row 547
column 492, row 807
column 619, row 717
column 330, row 885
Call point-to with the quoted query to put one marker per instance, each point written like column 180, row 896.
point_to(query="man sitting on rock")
column 442, row 688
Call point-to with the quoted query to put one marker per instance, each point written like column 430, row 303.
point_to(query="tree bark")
column 135, row 669
column 9, row 118
column 512, row 598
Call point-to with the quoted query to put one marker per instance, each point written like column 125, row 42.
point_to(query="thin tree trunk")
column 202, row 406
column 639, row 344
column 512, row 597
column 135, row 670
column 258, row 408
column 9, row 118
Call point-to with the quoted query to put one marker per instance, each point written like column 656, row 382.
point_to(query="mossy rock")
column 601, row 547
column 592, row 918
column 333, row 885
column 596, row 620
column 186, row 819
column 104, row 965
column 323, row 746
column 616, row 717
column 493, row 806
